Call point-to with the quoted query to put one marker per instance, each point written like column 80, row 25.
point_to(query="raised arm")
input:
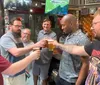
column 72, row 49
column 21, row 51
column 22, row 64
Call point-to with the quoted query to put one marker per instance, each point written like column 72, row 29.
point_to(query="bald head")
column 70, row 18
column 26, row 30
column 69, row 23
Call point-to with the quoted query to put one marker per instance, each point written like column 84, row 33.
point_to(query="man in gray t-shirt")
column 13, row 49
column 41, row 66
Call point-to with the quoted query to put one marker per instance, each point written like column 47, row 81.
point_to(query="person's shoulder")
column 96, row 42
column 53, row 32
column 82, row 35
column 6, row 36
column 3, row 36
column 41, row 31
column 82, row 38
column 31, row 42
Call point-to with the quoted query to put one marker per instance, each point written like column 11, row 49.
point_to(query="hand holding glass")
column 34, row 49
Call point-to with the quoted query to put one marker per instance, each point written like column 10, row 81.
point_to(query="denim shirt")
column 70, row 65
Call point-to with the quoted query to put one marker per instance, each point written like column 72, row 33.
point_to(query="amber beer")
column 50, row 45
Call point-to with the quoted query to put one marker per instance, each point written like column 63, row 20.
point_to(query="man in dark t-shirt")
column 93, row 50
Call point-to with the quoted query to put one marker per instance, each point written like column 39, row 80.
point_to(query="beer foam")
column 50, row 40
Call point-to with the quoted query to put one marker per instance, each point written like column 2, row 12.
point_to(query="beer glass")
column 50, row 45
column 36, row 48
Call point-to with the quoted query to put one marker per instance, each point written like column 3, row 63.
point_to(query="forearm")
column 67, row 48
column 83, row 73
column 18, row 66
column 22, row 51
column 73, row 49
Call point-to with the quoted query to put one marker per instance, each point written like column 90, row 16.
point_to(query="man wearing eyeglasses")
column 13, row 49
column 25, row 37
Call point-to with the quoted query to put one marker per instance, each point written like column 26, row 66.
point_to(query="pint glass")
column 50, row 45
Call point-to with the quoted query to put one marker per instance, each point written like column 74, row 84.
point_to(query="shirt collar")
column 44, row 32
column 75, row 33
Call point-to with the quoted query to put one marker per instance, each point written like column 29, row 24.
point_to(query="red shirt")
column 4, row 64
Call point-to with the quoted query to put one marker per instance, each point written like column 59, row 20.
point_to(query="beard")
column 17, row 34
column 98, row 38
column 25, row 39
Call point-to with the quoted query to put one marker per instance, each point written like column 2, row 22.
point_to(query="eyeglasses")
column 18, row 26
column 94, row 23
column 26, row 33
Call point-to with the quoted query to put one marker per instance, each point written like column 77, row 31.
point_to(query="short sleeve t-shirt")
column 93, row 49
column 4, row 64
column 6, row 43
column 46, row 55
column 70, row 65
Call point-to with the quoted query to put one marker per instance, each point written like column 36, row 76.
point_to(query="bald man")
column 72, row 67
column 25, row 37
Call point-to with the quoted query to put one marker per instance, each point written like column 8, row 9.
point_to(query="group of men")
column 16, row 45
column 74, row 61
column 12, row 48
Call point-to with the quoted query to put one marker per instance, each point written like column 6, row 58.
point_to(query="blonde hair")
column 26, row 29
column 97, row 12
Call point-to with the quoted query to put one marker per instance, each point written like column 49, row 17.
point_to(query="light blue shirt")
column 70, row 65
column 6, row 43
column 46, row 55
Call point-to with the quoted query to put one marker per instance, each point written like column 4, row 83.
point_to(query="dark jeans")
column 53, row 65
column 60, row 81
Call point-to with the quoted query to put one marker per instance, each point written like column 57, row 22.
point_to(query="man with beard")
column 8, row 68
column 25, row 37
column 92, row 49
column 13, row 49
